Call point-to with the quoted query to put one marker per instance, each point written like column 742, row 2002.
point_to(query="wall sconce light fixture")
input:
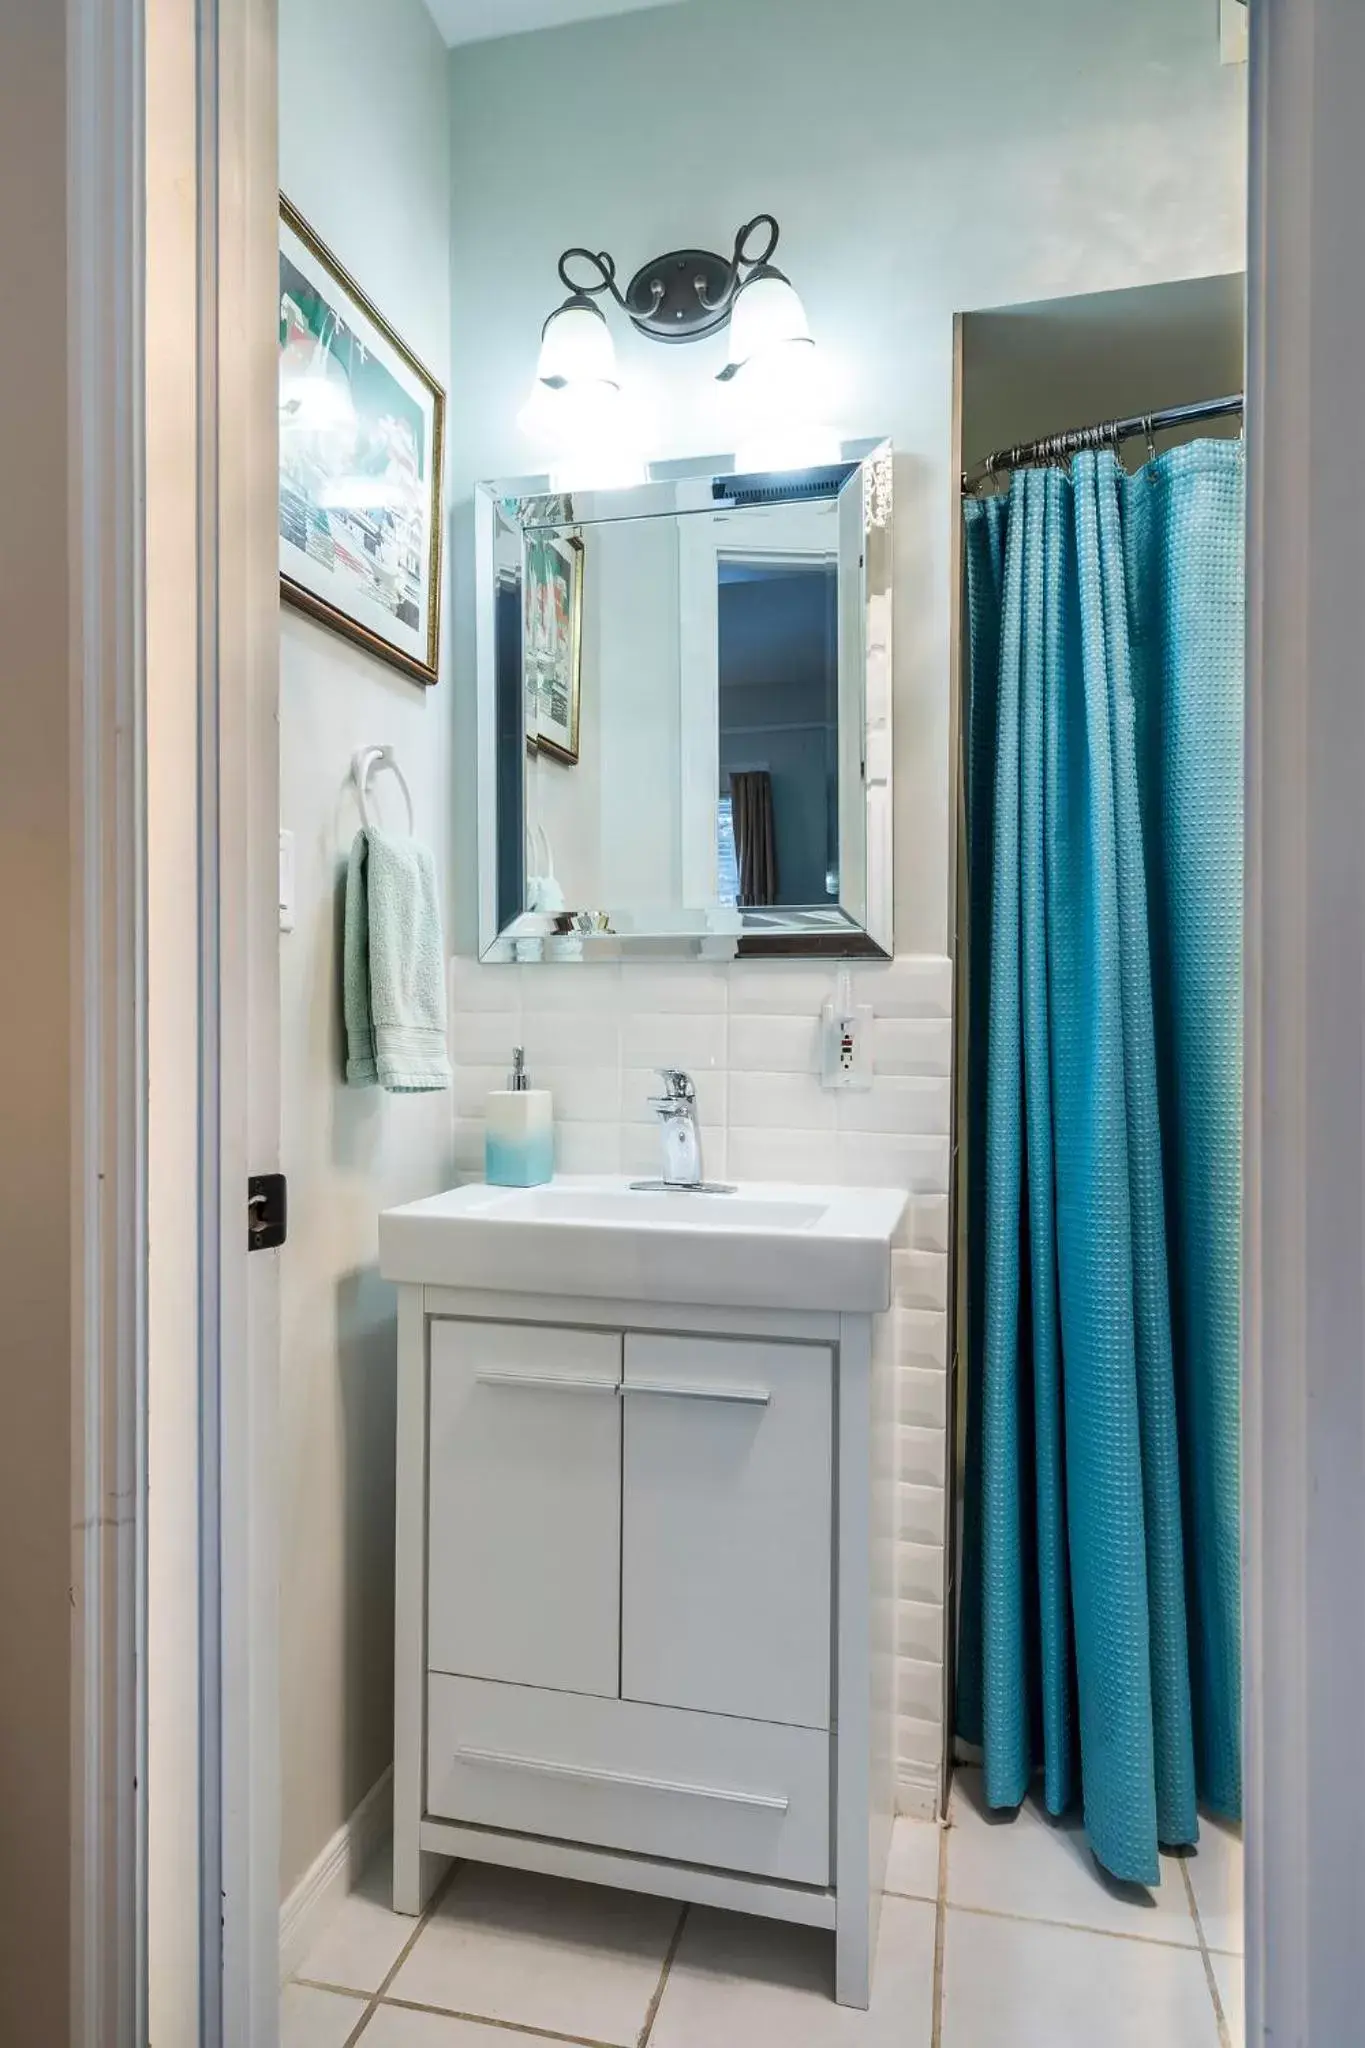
column 682, row 296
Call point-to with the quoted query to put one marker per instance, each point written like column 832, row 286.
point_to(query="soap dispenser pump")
column 519, row 1139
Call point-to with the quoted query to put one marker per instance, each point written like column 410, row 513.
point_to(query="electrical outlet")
column 846, row 1045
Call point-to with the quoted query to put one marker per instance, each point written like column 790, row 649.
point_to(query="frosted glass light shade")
column 767, row 314
column 577, row 347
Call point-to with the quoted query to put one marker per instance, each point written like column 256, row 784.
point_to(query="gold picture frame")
column 362, row 445
column 552, row 642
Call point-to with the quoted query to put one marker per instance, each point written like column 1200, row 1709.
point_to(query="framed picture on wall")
column 553, row 642
column 362, row 429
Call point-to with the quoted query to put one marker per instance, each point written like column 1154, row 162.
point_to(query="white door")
column 727, row 1527
column 524, row 1515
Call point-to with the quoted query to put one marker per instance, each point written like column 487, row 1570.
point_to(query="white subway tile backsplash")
column 570, row 1038
column 921, row 1571
column 920, row 1279
column 669, row 988
column 588, row 1148
column 484, row 1038
column 919, row 1629
column 472, row 1086
column 673, row 1039
column 780, row 988
column 919, row 1747
column 913, row 1045
column 922, row 1402
column 912, row 1105
column 914, row 985
column 468, row 1147
column 923, row 1457
column 871, row 1159
column 919, row 1688
column 582, row 1094
column 571, row 985
column 919, row 1744
column 930, row 1222
column 781, row 1155
column 790, row 1102
column 774, row 1045
column 920, row 1513
column 474, row 987
column 922, row 1339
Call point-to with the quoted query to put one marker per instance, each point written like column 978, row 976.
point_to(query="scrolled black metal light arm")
column 681, row 296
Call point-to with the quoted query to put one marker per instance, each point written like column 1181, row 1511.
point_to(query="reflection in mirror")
column 684, row 707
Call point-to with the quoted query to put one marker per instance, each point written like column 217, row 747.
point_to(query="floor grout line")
column 527, row 2031
column 423, row 1921
column 1224, row 2031
column 657, row 2000
column 1074, row 1927
column 940, row 1937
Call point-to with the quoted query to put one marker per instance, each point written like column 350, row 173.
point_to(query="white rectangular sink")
column 759, row 1247
column 654, row 1206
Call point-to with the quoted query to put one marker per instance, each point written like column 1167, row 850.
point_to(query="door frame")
column 1304, row 1512
column 1303, row 1443
column 221, row 476
column 104, row 456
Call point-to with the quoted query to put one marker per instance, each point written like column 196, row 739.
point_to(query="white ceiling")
column 478, row 21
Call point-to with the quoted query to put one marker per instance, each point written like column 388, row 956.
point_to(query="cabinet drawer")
column 695, row 1788
column 524, row 1505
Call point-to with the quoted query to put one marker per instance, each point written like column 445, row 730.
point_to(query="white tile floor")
column 1000, row 1934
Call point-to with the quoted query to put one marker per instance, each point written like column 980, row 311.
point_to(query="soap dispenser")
column 519, row 1138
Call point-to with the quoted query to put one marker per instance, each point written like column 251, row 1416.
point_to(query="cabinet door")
column 524, row 1505
column 728, row 1527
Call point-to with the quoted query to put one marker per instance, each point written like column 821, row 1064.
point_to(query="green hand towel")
column 393, row 968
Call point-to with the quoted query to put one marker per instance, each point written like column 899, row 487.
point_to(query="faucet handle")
column 679, row 1089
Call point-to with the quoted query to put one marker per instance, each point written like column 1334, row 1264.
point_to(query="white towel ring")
column 363, row 766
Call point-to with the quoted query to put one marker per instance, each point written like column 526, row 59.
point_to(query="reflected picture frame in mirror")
column 559, row 737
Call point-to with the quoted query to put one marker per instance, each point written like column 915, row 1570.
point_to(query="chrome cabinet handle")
column 560, row 1382
column 504, row 1760
column 750, row 1397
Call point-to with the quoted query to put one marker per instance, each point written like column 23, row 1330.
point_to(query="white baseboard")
column 917, row 1790
column 326, row 1882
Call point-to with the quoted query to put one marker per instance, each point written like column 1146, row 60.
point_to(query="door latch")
column 267, row 1211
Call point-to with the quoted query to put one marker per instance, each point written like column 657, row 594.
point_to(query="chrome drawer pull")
column 560, row 1382
column 502, row 1761
column 752, row 1397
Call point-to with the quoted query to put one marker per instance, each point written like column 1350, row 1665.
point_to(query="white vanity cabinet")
column 644, row 1601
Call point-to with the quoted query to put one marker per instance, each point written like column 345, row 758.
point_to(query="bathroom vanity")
column 645, row 1544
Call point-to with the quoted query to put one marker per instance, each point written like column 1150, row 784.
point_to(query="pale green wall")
column 364, row 154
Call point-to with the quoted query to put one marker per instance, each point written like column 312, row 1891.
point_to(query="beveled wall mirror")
column 685, row 714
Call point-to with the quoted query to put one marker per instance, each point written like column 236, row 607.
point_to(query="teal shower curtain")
column 1099, row 1635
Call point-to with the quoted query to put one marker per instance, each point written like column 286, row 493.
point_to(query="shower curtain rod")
column 1054, row 447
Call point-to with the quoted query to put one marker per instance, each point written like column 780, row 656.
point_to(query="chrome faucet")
column 676, row 1110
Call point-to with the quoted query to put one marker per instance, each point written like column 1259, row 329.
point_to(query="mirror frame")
column 720, row 933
